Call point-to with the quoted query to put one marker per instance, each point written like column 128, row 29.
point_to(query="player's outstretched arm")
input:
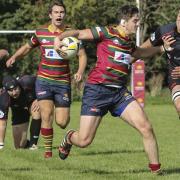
column 82, row 65
column 22, row 51
column 84, row 34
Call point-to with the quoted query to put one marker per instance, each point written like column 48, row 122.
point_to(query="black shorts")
column 20, row 115
column 173, row 82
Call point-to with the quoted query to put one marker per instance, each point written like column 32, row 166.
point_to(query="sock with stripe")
column 47, row 135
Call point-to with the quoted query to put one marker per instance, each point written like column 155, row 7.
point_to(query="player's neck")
column 122, row 31
column 55, row 28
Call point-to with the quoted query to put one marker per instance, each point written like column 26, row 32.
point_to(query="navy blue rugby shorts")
column 59, row 94
column 99, row 99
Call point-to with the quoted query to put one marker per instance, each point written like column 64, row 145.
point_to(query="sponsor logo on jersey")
column 98, row 29
column 122, row 57
column 115, row 41
column 45, row 41
column 52, row 54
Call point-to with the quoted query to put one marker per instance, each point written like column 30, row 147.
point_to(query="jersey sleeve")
column 156, row 38
column 4, row 105
column 99, row 33
column 34, row 42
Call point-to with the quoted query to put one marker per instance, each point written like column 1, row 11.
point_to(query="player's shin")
column 34, row 132
column 47, row 135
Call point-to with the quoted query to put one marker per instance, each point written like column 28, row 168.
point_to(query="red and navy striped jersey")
column 52, row 67
column 114, row 51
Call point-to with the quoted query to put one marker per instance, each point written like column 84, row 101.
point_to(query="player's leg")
column 20, row 123
column 135, row 116
column 81, row 138
column 62, row 116
column 35, row 125
column 46, row 104
column 176, row 98
column 3, row 124
column 93, row 109
column 20, row 135
column 47, row 110
column 62, row 98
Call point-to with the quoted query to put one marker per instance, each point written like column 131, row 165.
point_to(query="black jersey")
column 173, row 56
column 23, row 102
column 156, row 40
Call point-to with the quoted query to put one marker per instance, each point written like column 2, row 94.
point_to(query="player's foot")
column 48, row 154
column 1, row 145
column 65, row 147
column 33, row 147
column 159, row 172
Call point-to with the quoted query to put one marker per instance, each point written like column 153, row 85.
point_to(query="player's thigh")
column 62, row 114
column 46, row 107
column 20, row 134
column 135, row 116
column 176, row 96
column 88, row 126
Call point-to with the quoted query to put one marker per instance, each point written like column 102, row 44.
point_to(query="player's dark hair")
column 126, row 12
column 56, row 3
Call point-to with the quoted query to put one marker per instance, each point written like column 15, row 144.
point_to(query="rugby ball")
column 71, row 47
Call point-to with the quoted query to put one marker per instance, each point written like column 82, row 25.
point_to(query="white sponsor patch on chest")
column 52, row 54
column 122, row 57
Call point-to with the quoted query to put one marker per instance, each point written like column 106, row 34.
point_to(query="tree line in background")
column 31, row 14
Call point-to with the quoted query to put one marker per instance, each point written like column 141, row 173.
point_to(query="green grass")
column 116, row 152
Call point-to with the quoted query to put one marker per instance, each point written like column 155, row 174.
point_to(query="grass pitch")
column 116, row 153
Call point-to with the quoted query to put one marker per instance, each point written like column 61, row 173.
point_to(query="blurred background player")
column 20, row 96
column 53, row 78
column 106, row 86
column 169, row 36
column 3, row 56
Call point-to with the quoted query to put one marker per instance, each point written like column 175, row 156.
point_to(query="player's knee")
column 63, row 122
column 84, row 142
column 146, row 129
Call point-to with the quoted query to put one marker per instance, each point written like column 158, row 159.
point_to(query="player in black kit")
column 169, row 35
column 20, row 96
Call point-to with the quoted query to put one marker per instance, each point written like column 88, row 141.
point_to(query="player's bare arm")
column 82, row 65
column 22, row 51
column 85, row 34
column 147, row 52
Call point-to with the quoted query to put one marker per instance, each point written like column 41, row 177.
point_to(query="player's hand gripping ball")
column 70, row 48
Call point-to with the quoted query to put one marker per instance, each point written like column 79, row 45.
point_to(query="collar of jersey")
column 51, row 28
column 121, row 32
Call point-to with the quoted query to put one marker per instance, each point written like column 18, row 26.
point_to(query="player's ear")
column 122, row 22
column 50, row 16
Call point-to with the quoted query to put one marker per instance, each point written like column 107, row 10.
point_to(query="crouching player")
column 19, row 95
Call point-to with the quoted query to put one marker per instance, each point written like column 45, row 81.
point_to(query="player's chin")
column 58, row 23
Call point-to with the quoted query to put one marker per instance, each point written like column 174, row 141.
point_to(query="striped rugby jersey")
column 52, row 67
column 114, row 51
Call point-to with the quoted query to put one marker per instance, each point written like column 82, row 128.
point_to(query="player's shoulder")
column 4, row 96
column 27, row 81
column 168, row 28
column 42, row 28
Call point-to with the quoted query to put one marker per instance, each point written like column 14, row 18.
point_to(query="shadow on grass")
column 16, row 169
column 172, row 171
column 111, row 152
